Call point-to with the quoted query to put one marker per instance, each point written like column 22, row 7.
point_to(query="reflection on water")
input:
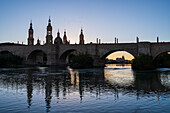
column 83, row 90
column 120, row 77
column 118, row 65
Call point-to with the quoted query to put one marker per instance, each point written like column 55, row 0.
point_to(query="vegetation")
column 81, row 61
column 143, row 62
column 9, row 60
column 163, row 61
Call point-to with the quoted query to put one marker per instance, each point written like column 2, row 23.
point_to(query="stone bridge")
column 53, row 54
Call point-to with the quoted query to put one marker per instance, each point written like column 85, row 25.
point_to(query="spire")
column 49, row 27
column 31, row 24
column 38, row 41
column 30, row 35
column 49, row 37
column 81, row 37
column 81, row 30
column 58, row 33
column 49, row 21
column 65, row 38
column 64, row 32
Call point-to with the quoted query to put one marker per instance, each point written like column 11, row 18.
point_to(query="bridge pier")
column 51, row 59
column 144, row 48
column 97, row 62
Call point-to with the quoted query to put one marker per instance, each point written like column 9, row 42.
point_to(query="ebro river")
column 114, row 89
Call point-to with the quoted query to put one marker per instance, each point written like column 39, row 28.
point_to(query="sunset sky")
column 119, row 54
column 104, row 19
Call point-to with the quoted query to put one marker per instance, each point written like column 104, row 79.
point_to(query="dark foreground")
column 112, row 89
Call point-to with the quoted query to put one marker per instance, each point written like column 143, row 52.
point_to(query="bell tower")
column 65, row 38
column 30, row 35
column 81, row 37
column 49, row 37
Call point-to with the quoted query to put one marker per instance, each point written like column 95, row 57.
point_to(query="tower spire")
column 65, row 32
column 38, row 41
column 81, row 37
column 30, row 35
column 30, row 24
column 65, row 38
column 49, row 20
column 81, row 30
column 58, row 33
column 49, row 37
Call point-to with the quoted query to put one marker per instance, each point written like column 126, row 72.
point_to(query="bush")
column 81, row 61
column 9, row 60
column 143, row 62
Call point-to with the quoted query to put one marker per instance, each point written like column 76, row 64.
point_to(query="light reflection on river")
column 112, row 89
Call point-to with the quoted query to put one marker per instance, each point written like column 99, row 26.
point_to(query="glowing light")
column 119, row 54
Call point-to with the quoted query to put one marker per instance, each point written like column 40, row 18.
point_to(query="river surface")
column 114, row 89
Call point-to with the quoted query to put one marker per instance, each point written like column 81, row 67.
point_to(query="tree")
column 143, row 62
column 82, row 61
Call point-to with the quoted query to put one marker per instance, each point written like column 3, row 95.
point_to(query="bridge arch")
column 161, row 53
column 104, row 56
column 37, row 57
column 63, row 59
column 5, row 51
column 162, row 60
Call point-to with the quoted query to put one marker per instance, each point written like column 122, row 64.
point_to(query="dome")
column 58, row 40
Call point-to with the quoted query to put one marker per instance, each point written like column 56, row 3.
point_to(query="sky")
column 103, row 19
column 119, row 54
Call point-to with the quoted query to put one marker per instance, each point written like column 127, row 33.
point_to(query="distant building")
column 120, row 59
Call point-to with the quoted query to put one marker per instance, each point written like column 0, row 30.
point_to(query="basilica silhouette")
column 49, row 38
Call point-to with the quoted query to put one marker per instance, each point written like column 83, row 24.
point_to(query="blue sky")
column 104, row 19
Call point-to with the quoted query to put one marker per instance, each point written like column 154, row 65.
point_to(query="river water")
column 114, row 89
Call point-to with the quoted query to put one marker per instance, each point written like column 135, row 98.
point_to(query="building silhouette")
column 58, row 39
column 65, row 39
column 81, row 37
column 51, row 54
column 38, row 42
column 30, row 35
column 49, row 38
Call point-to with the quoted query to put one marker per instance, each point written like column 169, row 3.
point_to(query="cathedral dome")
column 58, row 40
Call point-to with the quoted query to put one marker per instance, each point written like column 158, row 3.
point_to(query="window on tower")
column 49, row 32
